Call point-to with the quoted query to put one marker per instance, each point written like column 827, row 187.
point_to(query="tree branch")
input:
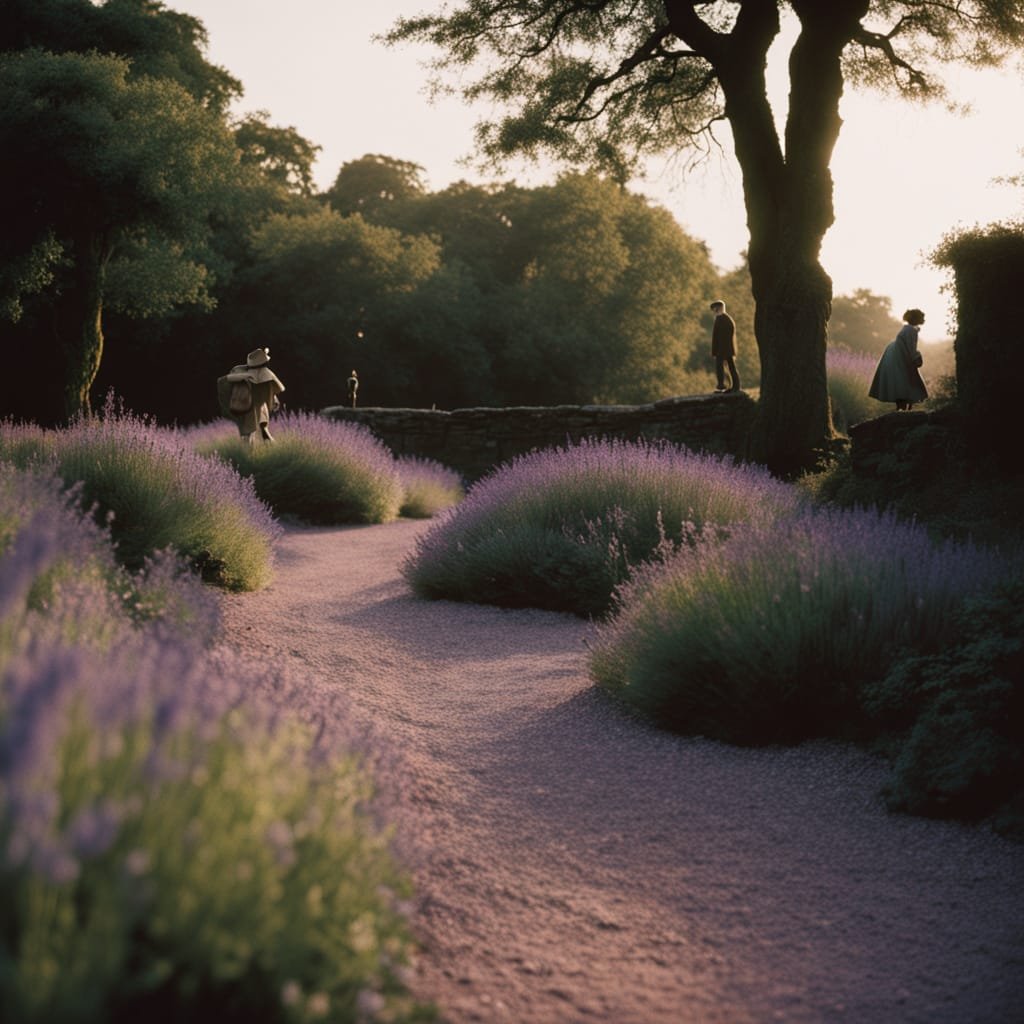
column 878, row 41
column 651, row 49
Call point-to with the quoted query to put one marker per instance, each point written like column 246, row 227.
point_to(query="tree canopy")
column 161, row 43
column 570, row 293
column 280, row 154
column 606, row 82
column 372, row 181
column 103, row 162
column 863, row 321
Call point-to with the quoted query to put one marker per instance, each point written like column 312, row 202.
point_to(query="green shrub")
column 184, row 834
column 155, row 492
column 772, row 635
column 559, row 529
column 317, row 470
column 428, row 487
column 23, row 444
column 213, row 867
column 963, row 715
column 932, row 481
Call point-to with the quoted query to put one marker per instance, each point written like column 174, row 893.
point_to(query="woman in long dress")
column 897, row 376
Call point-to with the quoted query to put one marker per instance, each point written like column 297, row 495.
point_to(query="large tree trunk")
column 788, row 197
column 793, row 426
column 78, row 324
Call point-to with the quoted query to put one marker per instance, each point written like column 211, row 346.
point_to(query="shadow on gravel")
column 447, row 631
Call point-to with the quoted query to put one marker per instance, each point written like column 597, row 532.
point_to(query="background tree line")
column 151, row 241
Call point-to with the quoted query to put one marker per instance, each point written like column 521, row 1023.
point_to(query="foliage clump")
column 773, row 636
column 317, row 470
column 929, row 474
column 82, row 587
column 959, row 714
column 156, row 492
column 428, row 486
column 849, row 377
column 987, row 265
column 184, row 835
column 561, row 528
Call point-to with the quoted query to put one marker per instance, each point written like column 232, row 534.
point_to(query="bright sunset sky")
column 905, row 175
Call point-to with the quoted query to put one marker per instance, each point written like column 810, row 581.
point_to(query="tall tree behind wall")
column 100, row 165
column 104, row 162
column 610, row 81
column 591, row 294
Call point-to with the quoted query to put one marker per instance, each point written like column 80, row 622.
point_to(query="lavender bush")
column 157, row 492
column 84, row 589
column 318, row 470
column 774, row 635
column 183, row 834
column 80, row 585
column 849, row 377
column 560, row 529
column 428, row 487
column 25, row 443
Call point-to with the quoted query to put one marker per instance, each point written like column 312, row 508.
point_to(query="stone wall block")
column 473, row 441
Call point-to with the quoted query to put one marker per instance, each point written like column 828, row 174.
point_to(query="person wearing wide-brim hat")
column 264, row 387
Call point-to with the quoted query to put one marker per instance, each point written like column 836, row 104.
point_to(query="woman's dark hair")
column 914, row 316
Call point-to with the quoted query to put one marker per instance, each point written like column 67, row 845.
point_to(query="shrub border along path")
column 574, row 864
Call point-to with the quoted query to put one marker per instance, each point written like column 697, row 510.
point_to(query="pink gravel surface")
column 572, row 864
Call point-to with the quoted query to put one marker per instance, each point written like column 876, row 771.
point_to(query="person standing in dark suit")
column 723, row 347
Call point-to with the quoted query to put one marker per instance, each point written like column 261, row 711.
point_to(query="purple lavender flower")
column 773, row 637
column 429, row 486
column 92, row 831
column 318, row 470
column 562, row 527
column 117, row 731
column 156, row 491
column 849, row 378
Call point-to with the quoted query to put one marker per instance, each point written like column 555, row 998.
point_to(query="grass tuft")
column 429, row 487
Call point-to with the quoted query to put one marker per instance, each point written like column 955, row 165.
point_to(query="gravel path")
column 574, row 865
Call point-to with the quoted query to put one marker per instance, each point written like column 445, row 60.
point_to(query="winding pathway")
column 574, row 865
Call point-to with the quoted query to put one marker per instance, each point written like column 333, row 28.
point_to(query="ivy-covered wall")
column 988, row 270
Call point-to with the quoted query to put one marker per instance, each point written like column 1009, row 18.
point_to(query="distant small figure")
column 248, row 395
column 353, row 388
column 897, row 376
column 723, row 347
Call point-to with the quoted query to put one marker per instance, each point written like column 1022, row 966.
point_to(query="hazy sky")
column 904, row 175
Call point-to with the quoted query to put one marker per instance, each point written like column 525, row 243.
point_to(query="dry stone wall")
column 474, row 441
column 921, row 444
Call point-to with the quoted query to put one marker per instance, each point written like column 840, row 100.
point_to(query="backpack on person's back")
column 240, row 398
column 234, row 394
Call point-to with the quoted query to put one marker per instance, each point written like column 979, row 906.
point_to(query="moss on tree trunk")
column 79, row 325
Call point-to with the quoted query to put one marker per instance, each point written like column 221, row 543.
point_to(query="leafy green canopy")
column 102, row 156
column 104, row 166
column 160, row 42
column 572, row 293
